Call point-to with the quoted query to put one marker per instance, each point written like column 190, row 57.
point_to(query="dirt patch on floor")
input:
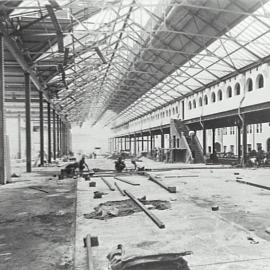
column 37, row 232
column 112, row 209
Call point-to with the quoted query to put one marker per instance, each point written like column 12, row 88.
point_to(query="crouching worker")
column 69, row 170
column 83, row 165
column 120, row 165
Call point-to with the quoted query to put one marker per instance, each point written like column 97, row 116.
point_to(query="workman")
column 120, row 165
column 82, row 165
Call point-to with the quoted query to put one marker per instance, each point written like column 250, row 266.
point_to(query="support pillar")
column 142, row 143
column 244, row 151
column 162, row 140
column 2, row 115
column 151, row 142
column 135, row 145
column 63, row 145
column 28, row 121
column 41, row 129
column 214, row 140
column 239, row 142
column 49, row 133
column 54, row 135
column 57, row 136
column 204, row 141
column 129, row 143
column 19, row 137
column 60, row 137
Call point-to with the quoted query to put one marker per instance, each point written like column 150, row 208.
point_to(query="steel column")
column 135, row 145
column 41, row 129
column 49, row 133
column 28, row 122
column 162, row 140
column 244, row 150
column 239, row 142
column 214, row 140
column 204, row 141
column 151, row 142
column 19, row 137
column 54, row 135
column 60, row 137
column 2, row 115
column 142, row 143
column 57, row 135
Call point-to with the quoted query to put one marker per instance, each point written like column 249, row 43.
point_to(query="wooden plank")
column 120, row 189
column 253, row 184
column 108, row 184
column 126, row 181
column 155, row 180
column 90, row 258
column 159, row 223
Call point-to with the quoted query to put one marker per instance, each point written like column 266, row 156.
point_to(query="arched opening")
column 249, row 85
column 237, row 89
column 189, row 105
column 213, row 97
column 229, row 92
column 219, row 95
column 200, row 102
column 194, row 103
column 260, row 81
column 173, row 110
column 205, row 100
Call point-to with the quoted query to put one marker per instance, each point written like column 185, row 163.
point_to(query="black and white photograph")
column 134, row 135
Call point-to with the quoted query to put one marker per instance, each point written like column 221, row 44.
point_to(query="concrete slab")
column 218, row 240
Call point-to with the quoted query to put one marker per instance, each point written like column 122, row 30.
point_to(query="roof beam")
column 59, row 32
column 14, row 50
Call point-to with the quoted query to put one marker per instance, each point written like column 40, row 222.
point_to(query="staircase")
column 193, row 146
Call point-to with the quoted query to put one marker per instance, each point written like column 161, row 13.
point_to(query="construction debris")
column 168, row 261
column 215, row 208
column 112, row 209
column 98, row 194
column 92, row 184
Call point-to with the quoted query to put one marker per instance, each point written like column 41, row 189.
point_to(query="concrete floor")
column 38, row 229
column 218, row 240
